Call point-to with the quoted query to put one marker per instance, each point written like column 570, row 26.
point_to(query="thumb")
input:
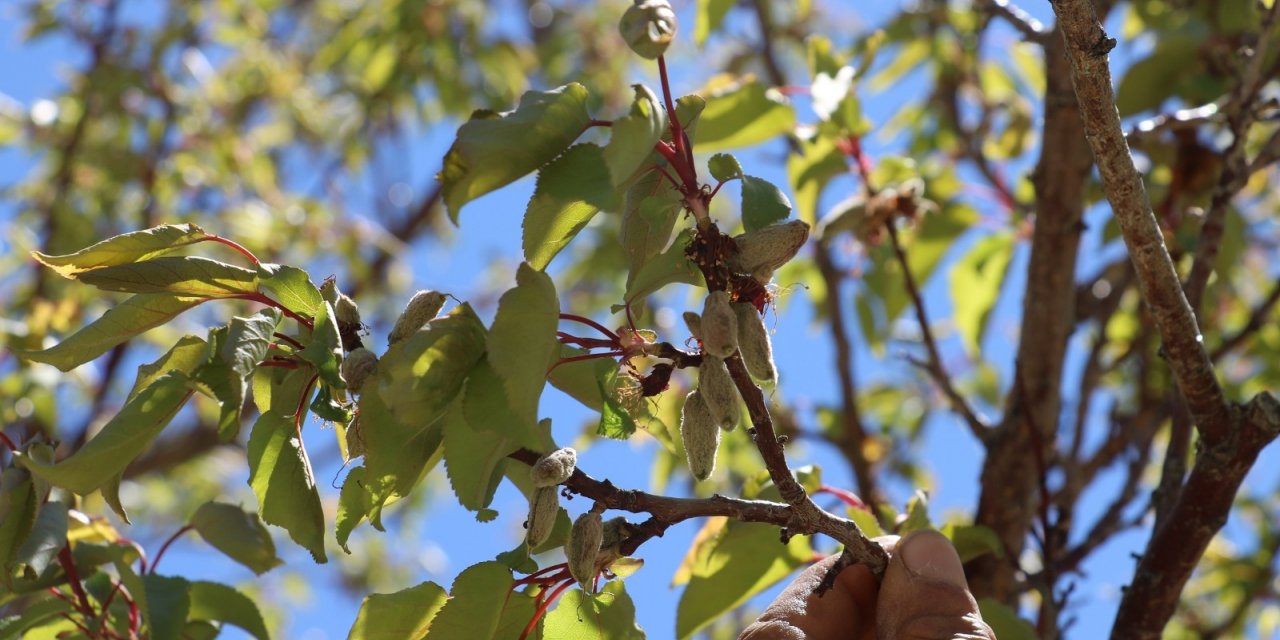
column 924, row 595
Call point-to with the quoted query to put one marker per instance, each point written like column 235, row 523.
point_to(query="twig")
column 976, row 424
column 1025, row 23
column 1257, row 318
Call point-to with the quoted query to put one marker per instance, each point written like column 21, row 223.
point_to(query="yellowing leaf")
column 124, row 249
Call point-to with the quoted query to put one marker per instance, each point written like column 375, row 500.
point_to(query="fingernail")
column 928, row 554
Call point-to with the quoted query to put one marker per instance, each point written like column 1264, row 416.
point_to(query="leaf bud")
column 584, row 545
column 554, row 468
column 719, row 325
column 701, row 435
column 648, row 27
column 422, row 308
column 543, row 507
column 358, row 367
column 762, row 251
column 754, row 343
column 718, row 391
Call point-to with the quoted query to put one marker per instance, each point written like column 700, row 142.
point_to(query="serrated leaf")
column 47, row 536
column 122, row 439
column 124, row 249
column 649, row 212
column 569, row 193
column 397, row 455
column 522, row 340
column 475, row 604
column 745, row 559
column 169, row 602
column 395, row 616
column 324, row 350
column 487, row 410
column 608, row 616
column 185, row 355
column 743, row 115
column 474, row 461
column 615, row 420
column 354, row 503
column 190, row 276
column 582, row 379
column 707, row 18
column 120, row 323
column 220, row 603
column 724, row 166
column 666, row 268
column 291, row 287
column 483, row 157
column 975, row 283
column 239, row 534
column 763, row 203
column 632, row 137
column 281, row 477
column 18, row 507
column 237, row 349
column 1004, row 621
column 33, row 616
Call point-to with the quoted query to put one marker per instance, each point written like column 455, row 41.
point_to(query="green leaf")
column 124, row 249
column 237, row 533
column 394, row 616
column 325, row 347
column 487, row 410
column 474, row 461
column 124, row 437
column 220, row 603
column 724, row 166
column 975, row 283
column 291, row 287
column 763, row 203
column 397, row 454
column 616, row 420
column 169, row 602
column 581, row 379
column 354, row 503
column 1152, row 80
column 237, row 350
column 120, row 323
column 809, row 172
column 917, row 514
column 35, row 615
column 185, row 276
column 185, row 355
column 631, row 138
column 18, row 507
column 475, row 604
column 608, row 616
column 670, row 266
column 570, row 191
column 707, row 18
column 972, row 541
column 745, row 559
column 48, row 535
column 280, row 475
column 522, row 340
column 649, row 212
column 483, row 157
column 1004, row 621
column 743, row 115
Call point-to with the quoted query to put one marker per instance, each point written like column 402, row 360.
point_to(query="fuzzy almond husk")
column 701, row 435
column 422, row 308
column 719, row 325
column 543, row 507
column 762, row 251
column 554, row 468
column 357, row 367
column 754, row 343
column 719, row 392
column 585, row 539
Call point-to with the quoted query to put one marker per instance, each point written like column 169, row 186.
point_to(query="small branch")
column 13, row 448
column 73, row 579
column 1256, row 320
column 1024, row 22
column 165, row 547
column 976, row 424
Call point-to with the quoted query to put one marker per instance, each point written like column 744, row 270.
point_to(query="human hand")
column 923, row 596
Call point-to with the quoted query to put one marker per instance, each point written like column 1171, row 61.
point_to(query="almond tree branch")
column 1230, row 436
column 1025, row 23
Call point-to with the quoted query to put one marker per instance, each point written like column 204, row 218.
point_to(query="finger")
column 924, row 595
column 846, row 612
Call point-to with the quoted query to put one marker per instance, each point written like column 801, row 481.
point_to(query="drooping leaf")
column 743, row 115
column 291, row 287
column 745, row 559
column 237, row 533
column 975, row 285
column 237, row 350
column 169, row 602
column 124, row 249
column 523, row 340
column 122, row 439
column 394, row 616
column 631, row 138
column 707, row 18
column 474, row 461
column 763, row 203
column 47, row 536
column 354, row 503
column 482, row 157
column 570, row 191
column 185, row 355
column 325, row 347
column 181, row 276
column 220, row 603
column 129, row 318
column 670, row 266
column 475, row 604
column 649, row 213
column 280, row 475
column 609, row 616
column 396, row 454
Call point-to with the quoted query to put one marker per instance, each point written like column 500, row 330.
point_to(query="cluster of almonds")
column 866, row 217
column 594, row 542
column 726, row 327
